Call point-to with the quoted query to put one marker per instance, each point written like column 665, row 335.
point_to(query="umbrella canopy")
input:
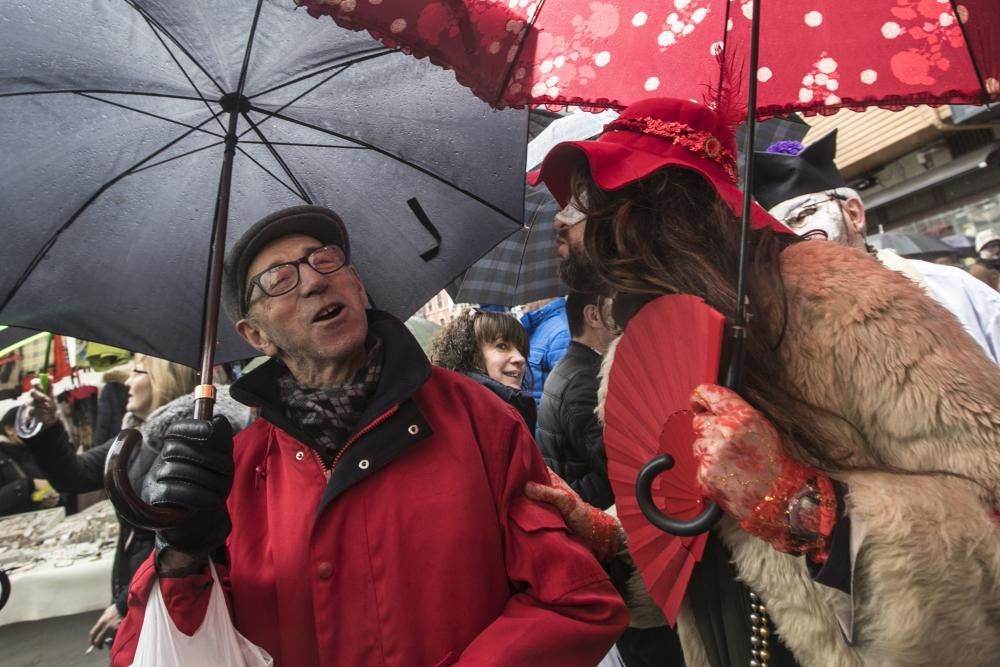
column 115, row 116
column 910, row 244
column 523, row 267
column 12, row 338
column 819, row 56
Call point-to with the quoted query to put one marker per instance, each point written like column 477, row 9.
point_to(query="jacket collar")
column 405, row 369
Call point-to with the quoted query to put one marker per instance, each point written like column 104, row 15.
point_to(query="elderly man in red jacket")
column 375, row 513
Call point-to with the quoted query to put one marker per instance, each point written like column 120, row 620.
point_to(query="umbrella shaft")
column 734, row 375
column 205, row 404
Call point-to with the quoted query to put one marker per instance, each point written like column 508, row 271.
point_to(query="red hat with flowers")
column 650, row 135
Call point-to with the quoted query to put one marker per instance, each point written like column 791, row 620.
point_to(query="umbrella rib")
column 340, row 69
column 985, row 98
column 370, row 54
column 397, row 158
column 153, row 27
column 274, row 176
column 36, row 260
column 248, row 49
column 280, row 160
column 293, row 100
column 178, row 156
column 157, row 26
column 95, row 91
column 520, row 47
column 305, row 145
column 524, row 248
column 147, row 113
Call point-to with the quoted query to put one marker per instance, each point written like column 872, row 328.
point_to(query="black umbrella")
column 912, row 244
column 128, row 125
column 116, row 117
column 522, row 268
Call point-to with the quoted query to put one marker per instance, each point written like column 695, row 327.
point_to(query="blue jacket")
column 549, row 333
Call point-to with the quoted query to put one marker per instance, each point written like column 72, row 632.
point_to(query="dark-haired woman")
column 860, row 469
column 492, row 349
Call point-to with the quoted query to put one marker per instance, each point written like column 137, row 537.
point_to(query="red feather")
column 668, row 349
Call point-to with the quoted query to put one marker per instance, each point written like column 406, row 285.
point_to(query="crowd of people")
column 386, row 508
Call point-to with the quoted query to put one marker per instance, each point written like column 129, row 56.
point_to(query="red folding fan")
column 671, row 346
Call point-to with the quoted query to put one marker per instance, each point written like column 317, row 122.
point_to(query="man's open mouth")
column 814, row 234
column 328, row 313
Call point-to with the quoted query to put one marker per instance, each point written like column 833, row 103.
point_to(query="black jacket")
column 522, row 401
column 18, row 472
column 68, row 472
column 569, row 433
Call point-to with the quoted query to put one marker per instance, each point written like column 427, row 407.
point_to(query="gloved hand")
column 600, row 531
column 194, row 472
column 743, row 467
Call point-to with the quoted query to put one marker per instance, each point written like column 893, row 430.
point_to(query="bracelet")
column 798, row 514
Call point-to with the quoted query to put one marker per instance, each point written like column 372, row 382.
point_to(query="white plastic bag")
column 215, row 644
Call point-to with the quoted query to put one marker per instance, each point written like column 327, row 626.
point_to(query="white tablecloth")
column 48, row 591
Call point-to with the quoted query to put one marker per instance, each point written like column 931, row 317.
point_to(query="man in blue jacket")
column 549, row 333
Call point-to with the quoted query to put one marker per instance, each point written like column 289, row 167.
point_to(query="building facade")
column 922, row 169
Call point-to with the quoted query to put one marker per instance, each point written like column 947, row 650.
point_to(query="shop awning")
column 932, row 177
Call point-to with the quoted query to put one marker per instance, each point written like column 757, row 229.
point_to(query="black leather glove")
column 194, row 472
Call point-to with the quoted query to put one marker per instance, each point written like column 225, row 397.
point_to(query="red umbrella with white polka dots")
column 814, row 55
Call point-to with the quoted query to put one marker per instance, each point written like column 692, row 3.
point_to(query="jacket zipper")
column 357, row 436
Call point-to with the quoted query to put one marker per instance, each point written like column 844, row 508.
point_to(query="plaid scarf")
column 328, row 415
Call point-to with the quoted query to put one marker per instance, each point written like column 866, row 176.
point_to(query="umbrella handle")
column 644, row 495
column 127, row 502
column 4, row 588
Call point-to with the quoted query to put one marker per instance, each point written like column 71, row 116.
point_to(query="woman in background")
column 159, row 394
column 492, row 349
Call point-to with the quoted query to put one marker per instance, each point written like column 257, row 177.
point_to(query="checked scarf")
column 328, row 415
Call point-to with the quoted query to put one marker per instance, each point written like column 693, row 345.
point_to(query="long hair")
column 459, row 345
column 167, row 379
column 670, row 233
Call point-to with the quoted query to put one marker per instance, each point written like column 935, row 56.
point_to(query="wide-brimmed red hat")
column 650, row 135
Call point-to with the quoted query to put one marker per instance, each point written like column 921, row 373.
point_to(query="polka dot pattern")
column 614, row 52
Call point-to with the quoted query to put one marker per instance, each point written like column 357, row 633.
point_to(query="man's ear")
column 592, row 316
column 250, row 331
column 854, row 213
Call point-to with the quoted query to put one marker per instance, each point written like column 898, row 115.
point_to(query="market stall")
column 60, row 574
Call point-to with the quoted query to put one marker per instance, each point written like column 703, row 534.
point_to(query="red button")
column 324, row 570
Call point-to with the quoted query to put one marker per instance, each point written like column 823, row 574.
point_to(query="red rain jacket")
column 418, row 548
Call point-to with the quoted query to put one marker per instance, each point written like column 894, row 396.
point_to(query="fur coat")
column 866, row 343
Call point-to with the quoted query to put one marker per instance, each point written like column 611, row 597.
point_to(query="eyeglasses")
column 283, row 278
column 797, row 216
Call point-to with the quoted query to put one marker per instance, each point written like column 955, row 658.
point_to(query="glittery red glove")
column 742, row 466
column 601, row 532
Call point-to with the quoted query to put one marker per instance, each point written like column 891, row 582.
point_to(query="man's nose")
column 311, row 281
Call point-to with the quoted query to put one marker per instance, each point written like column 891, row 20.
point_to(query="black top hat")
column 779, row 176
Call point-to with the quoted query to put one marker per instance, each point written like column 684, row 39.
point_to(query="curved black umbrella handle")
column 127, row 502
column 644, row 494
column 4, row 589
